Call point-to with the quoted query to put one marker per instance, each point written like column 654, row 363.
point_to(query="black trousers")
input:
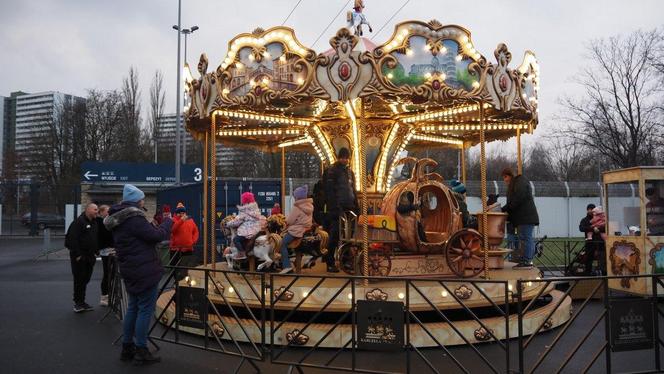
column 106, row 277
column 181, row 259
column 332, row 229
column 595, row 248
column 82, row 272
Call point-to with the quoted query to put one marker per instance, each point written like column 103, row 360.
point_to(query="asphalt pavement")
column 39, row 333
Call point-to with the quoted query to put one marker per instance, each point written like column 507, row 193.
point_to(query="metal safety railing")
column 348, row 323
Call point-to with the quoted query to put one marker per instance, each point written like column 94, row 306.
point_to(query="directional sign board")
column 131, row 172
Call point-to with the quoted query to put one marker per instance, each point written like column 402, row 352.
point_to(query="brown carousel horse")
column 313, row 243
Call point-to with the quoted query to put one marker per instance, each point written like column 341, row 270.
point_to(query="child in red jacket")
column 184, row 234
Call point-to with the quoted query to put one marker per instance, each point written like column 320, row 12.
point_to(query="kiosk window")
column 654, row 204
column 623, row 209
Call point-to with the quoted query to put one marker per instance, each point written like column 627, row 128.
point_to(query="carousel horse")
column 309, row 248
column 263, row 247
column 356, row 19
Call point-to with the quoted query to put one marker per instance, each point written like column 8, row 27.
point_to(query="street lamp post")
column 186, row 33
column 177, row 101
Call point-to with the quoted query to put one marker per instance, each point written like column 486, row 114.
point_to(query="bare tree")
column 103, row 118
column 157, row 104
column 620, row 116
column 129, row 133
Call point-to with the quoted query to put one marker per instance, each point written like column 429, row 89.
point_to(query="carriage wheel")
column 380, row 262
column 346, row 255
column 463, row 253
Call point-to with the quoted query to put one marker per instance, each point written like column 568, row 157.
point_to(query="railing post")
column 207, row 307
column 655, row 313
column 507, row 326
column 264, row 288
column 520, row 324
column 407, row 311
column 607, row 323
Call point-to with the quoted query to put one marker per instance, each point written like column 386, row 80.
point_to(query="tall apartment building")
column 36, row 116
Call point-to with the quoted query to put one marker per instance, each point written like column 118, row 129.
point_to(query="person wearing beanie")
column 459, row 192
column 276, row 209
column 184, row 235
column 249, row 222
column 339, row 184
column 135, row 239
column 299, row 220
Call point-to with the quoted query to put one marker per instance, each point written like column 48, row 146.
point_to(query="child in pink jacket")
column 597, row 223
column 299, row 220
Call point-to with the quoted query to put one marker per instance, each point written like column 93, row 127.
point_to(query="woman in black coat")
column 135, row 239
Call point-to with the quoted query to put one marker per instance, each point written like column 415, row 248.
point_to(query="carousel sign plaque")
column 380, row 325
column 191, row 306
column 631, row 325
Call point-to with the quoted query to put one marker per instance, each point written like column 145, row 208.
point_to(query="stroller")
column 577, row 266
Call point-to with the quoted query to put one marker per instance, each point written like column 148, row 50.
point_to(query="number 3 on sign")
column 198, row 174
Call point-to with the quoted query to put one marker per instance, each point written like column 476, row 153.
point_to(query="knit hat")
column 598, row 210
column 132, row 194
column 247, row 198
column 459, row 188
column 180, row 208
column 301, row 192
column 166, row 208
column 343, row 153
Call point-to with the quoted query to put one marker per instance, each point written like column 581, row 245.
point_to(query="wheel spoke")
column 463, row 244
column 457, row 250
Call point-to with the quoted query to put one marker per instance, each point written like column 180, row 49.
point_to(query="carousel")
column 425, row 87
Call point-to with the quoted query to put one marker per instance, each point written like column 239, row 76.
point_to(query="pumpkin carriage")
column 420, row 232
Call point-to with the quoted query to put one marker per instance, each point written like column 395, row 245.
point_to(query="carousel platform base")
column 293, row 300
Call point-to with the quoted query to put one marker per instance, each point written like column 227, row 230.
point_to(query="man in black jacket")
column 339, row 198
column 83, row 245
column 584, row 225
column 522, row 213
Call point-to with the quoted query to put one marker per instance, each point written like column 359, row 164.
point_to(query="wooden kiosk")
column 634, row 205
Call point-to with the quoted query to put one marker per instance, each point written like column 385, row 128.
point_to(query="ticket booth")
column 634, row 205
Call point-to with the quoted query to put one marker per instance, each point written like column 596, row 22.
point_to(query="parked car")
column 44, row 220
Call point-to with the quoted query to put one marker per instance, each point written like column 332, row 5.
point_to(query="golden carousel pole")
column 205, row 199
column 485, row 243
column 463, row 163
column 283, row 180
column 363, row 169
column 213, row 188
column 519, row 160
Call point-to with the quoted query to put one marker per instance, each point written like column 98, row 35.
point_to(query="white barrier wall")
column 559, row 216
column 69, row 214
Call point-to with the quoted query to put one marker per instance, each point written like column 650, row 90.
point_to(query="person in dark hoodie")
column 339, row 184
column 83, row 245
column 522, row 213
column 105, row 250
column 135, row 239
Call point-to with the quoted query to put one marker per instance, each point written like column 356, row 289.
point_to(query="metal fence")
column 29, row 208
column 252, row 316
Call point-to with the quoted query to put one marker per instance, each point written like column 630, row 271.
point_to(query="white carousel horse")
column 355, row 22
column 264, row 245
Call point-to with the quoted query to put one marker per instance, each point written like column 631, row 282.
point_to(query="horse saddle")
column 248, row 243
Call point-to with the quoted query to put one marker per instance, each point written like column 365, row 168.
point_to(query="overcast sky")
column 71, row 46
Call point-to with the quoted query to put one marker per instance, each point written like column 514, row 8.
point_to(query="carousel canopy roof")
column 426, row 85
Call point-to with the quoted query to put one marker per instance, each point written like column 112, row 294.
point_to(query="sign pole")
column 205, row 199
column 213, row 188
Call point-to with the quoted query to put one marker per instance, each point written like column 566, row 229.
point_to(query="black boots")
column 128, row 351
column 144, row 357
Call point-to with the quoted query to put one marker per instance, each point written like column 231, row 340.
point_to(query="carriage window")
column 623, row 209
column 654, row 207
column 429, row 200
column 406, row 200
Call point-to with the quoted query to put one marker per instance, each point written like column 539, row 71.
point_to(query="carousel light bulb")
column 252, row 83
column 266, row 81
column 427, row 47
column 225, row 91
column 266, row 54
column 390, row 75
column 409, row 52
column 458, row 57
column 443, row 50
column 476, row 84
column 401, row 295
column 282, row 58
column 464, row 38
column 443, row 76
column 251, row 57
column 193, row 283
column 300, row 80
column 427, row 75
column 350, row 296
column 305, row 294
